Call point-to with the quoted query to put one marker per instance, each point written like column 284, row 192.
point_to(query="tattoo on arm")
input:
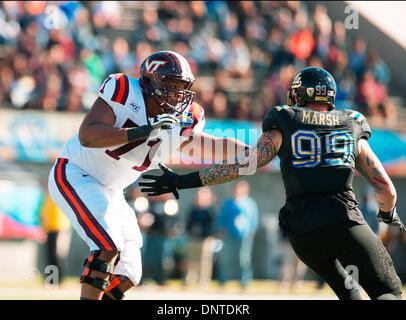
column 265, row 150
column 374, row 174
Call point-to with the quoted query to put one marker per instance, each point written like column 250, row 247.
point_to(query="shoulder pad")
column 272, row 117
column 363, row 123
column 115, row 88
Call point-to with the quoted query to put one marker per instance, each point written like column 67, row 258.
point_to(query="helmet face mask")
column 312, row 85
column 175, row 95
column 166, row 76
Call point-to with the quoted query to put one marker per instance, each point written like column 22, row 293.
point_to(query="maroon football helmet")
column 157, row 76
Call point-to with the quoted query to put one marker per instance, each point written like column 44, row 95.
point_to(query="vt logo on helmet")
column 312, row 85
column 152, row 65
column 166, row 76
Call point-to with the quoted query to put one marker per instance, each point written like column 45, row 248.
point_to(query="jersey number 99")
column 308, row 145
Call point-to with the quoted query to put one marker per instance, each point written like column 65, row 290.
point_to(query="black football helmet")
column 312, row 84
column 156, row 74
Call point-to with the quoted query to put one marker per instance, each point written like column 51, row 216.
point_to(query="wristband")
column 190, row 180
column 142, row 132
column 386, row 215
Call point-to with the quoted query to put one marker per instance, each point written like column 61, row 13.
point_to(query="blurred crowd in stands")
column 55, row 55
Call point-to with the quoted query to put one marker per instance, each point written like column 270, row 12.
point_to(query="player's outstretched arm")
column 256, row 157
column 205, row 147
column 369, row 166
column 97, row 128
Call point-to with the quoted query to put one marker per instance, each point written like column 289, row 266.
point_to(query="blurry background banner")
column 37, row 136
column 19, row 210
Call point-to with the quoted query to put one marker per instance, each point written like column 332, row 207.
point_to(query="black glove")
column 391, row 218
column 169, row 182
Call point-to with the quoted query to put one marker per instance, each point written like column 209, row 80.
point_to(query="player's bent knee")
column 95, row 263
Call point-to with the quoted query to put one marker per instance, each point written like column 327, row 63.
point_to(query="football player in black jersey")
column 319, row 149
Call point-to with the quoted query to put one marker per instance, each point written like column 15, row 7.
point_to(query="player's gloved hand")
column 391, row 218
column 163, row 121
column 167, row 183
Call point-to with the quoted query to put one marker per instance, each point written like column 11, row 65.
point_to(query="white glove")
column 151, row 130
column 164, row 121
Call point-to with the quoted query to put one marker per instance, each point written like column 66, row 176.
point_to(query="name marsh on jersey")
column 320, row 118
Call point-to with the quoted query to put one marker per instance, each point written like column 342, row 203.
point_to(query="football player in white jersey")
column 133, row 126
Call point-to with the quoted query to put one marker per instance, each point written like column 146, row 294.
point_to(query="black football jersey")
column 317, row 159
column 318, row 149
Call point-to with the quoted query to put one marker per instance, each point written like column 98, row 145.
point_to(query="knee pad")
column 93, row 263
column 114, row 289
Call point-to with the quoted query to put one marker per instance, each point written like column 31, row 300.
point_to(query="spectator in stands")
column 199, row 12
column 242, row 108
column 200, row 228
column 243, row 40
column 109, row 12
column 371, row 96
column 151, row 28
column 346, row 80
column 220, row 105
column 120, row 59
column 142, row 50
column 322, row 32
column 238, row 59
column 278, row 82
column 301, row 44
column 339, row 36
column 229, row 28
column 378, row 67
column 237, row 223
column 274, row 41
column 357, row 57
column 160, row 238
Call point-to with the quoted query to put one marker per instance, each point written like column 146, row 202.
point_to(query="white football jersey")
column 119, row 166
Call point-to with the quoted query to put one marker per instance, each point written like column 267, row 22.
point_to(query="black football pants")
column 333, row 250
